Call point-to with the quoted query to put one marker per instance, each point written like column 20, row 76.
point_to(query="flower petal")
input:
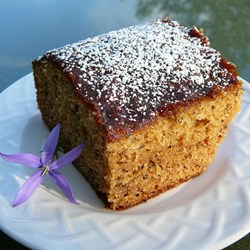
column 30, row 160
column 67, row 158
column 50, row 145
column 28, row 188
column 63, row 184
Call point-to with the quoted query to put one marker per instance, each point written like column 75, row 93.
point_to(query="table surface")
column 30, row 28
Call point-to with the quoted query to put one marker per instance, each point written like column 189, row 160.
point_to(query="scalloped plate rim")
column 19, row 237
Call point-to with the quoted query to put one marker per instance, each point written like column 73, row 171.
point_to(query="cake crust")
column 172, row 67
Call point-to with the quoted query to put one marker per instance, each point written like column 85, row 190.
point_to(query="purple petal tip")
column 50, row 145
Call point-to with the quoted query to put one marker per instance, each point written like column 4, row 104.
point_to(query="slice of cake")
column 151, row 103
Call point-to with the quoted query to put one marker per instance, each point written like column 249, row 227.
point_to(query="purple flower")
column 45, row 166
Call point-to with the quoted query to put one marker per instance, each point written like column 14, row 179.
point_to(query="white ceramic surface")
column 209, row 212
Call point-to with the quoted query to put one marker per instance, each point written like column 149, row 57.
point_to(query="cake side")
column 131, row 76
column 58, row 103
column 170, row 151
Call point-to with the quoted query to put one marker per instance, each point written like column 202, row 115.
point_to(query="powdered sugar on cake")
column 133, row 74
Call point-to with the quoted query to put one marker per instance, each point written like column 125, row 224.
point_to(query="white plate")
column 209, row 212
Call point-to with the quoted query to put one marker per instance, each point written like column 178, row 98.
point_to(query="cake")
column 151, row 103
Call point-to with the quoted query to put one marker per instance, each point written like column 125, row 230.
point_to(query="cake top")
column 132, row 75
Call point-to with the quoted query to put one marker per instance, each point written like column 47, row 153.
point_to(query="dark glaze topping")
column 130, row 76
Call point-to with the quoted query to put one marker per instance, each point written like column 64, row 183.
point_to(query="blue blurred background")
column 29, row 28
